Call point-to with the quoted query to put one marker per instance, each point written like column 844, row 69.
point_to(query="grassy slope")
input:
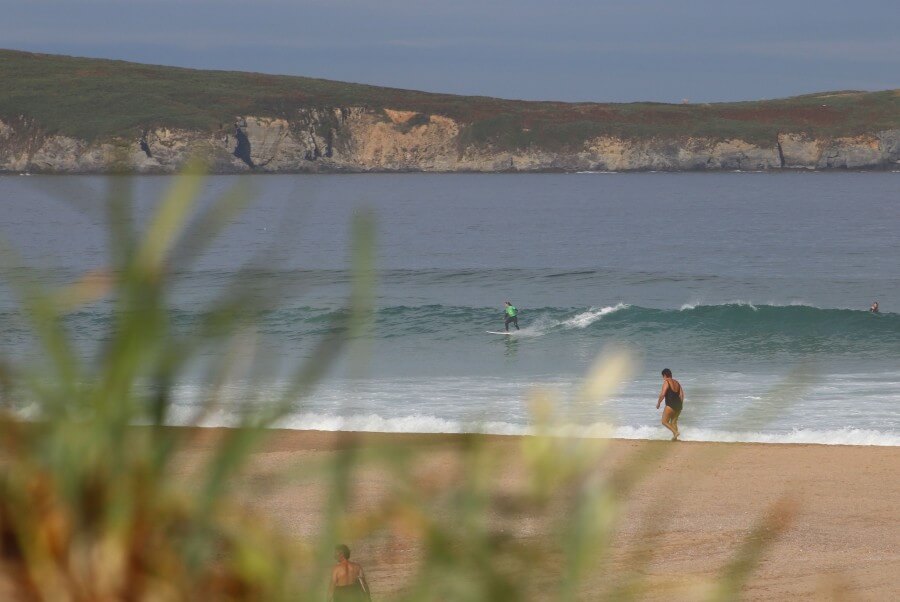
column 94, row 98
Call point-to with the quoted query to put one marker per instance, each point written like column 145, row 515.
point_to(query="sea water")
column 752, row 288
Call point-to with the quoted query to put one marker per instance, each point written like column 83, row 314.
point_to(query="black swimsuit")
column 673, row 399
column 350, row 593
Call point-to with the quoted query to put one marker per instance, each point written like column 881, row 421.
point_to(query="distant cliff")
column 70, row 115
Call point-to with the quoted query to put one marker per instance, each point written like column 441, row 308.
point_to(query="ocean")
column 752, row 287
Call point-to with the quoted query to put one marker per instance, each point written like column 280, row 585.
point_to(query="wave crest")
column 580, row 321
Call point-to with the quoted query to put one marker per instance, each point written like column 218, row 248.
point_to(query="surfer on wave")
column 874, row 308
column 510, row 316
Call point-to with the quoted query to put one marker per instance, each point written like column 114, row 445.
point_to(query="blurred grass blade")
column 90, row 287
column 120, row 220
column 169, row 220
column 751, row 550
column 42, row 310
column 210, row 222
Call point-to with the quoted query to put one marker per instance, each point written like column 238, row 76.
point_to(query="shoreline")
column 852, row 437
column 562, row 434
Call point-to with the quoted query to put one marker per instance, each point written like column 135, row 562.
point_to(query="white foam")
column 425, row 423
column 420, row 423
column 844, row 436
column 585, row 319
column 579, row 321
column 416, row 423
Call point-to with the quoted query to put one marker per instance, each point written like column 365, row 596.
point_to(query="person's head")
column 666, row 373
column 507, row 303
column 341, row 552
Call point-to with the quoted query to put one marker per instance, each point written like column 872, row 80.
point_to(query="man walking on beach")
column 673, row 393
column 511, row 315
column 348, row 581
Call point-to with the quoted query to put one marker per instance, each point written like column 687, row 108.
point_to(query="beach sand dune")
column 684, row 520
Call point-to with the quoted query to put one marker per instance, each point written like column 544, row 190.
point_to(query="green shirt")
column 511, row 311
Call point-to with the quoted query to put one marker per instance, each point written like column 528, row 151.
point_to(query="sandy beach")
column 836, row 522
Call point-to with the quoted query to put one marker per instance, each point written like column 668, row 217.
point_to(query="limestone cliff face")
column 858, row 152
column 690, row 154
column 357, row 139
column 405, row 142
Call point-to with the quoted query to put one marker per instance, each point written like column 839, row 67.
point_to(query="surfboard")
column 496, row 332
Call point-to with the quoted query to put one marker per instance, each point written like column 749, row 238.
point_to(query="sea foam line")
column 419, row 423
column 427, row 424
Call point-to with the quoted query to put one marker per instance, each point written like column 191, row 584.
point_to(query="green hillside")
column 94, row 98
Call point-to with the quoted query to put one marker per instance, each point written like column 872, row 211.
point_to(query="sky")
column 571, row 50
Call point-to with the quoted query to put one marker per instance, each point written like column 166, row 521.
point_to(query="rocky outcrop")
column 614, row 154
column 404, row 142
column 169, row 149
column 859, row 152
column 354, row 139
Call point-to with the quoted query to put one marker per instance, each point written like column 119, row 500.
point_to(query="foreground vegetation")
column 94, row 98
